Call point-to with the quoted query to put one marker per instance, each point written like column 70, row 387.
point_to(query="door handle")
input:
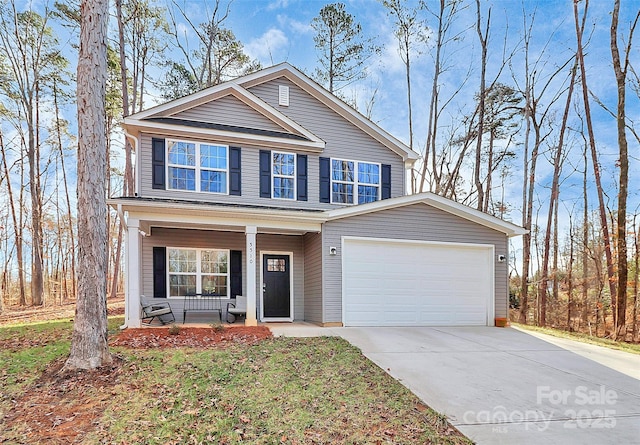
column 264, row 287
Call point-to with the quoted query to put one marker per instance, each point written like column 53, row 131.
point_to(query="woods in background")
column 507, row 125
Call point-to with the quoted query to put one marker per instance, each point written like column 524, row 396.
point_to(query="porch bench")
column 202, row 303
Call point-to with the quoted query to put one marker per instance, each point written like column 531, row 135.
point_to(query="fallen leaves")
column 152, row 338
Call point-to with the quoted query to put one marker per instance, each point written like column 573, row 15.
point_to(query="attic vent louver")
column 283, row 96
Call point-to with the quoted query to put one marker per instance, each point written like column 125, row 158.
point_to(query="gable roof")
column 164, row 117
column 433, row 200
column 333, row 102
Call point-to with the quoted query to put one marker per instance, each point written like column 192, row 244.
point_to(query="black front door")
column 276, row 289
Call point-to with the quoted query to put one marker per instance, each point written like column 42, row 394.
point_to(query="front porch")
column 172, row 254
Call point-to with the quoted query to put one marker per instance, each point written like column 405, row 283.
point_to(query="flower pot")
column 502, row 322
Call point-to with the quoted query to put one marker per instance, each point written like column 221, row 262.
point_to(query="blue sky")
column 274, row 31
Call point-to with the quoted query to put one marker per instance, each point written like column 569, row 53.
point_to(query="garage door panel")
column 407, row 284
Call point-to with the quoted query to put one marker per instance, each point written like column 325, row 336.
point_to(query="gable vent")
column 283, row 95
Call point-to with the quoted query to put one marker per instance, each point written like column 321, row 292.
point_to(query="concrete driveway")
column 505, row 386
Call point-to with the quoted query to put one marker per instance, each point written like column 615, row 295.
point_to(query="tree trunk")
column 17, row 224
column 570, row 276
column 483, row 43
column 621, row 74
column 72, row 238
column 37, row 284
column 585, row 242
column 636, row 276
column 555, row 191
column 89, row 347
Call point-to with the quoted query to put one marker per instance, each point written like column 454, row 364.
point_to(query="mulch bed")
column 147, row 338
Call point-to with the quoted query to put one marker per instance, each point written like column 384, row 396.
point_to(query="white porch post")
column 132, row 298
column 250, row 232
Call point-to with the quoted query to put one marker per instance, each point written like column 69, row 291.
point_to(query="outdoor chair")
column 156, row 308
column 239, row 308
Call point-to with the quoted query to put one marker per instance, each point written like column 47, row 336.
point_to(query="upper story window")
column 196, row 166
column 283, row 169
column 353, row 180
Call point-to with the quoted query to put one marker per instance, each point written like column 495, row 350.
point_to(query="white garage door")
column 398, row 283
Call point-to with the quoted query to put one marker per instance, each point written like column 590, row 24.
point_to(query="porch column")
column 250, row 232
column 132, row 297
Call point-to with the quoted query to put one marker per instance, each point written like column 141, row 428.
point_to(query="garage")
column 416, row 283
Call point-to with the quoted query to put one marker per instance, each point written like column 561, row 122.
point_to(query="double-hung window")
column 198, row 167
column 198, row 271
column 283, row 169
column 354, row 182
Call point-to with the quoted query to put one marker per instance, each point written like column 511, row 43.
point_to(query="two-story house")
column 270, row 187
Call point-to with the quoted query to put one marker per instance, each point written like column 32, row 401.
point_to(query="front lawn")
column 277, row 390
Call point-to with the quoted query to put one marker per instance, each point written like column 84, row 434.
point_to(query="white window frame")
column 198, row 272
column 198, row 169
column 294, row 176
column 356, row 182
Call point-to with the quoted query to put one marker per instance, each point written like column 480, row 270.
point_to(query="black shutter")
column 160, row 272
column 265, row 174
column 235, row 182
column 325, row 180
column 235, row 267
column 386, row 181
column 157, row 163
column 302, row 177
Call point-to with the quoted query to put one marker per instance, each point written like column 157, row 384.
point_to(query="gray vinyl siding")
column 415, row 222
column 202, row 239
column 343, row 139
column 313, row 277
column 229, row 111
column 250, row 181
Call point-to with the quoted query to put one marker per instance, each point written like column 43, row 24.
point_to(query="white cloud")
column 269, row 47
column 295, row 25
column 277, row 4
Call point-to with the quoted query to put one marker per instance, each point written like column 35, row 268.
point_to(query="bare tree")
column 445, row 15
column 28, row 49
column 636, row 277
column 483, row 37
column 537, row 128
column 555, row 191
column 219, row 55
column 409, row 34
column 570, row 274
column 580, row 25
column 89, row 347
column 16, row 217
column 620, row 69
